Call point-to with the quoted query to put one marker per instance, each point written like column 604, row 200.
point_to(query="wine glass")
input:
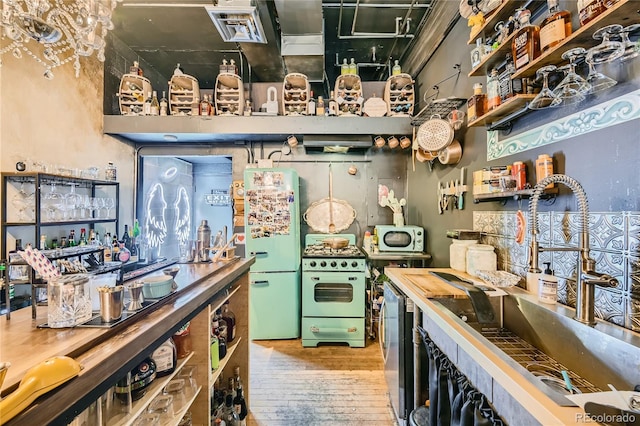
column 573, row 87
column 109, row 203
column 608, row 50
column 53, row 202
column 24, row 202
column 596, row 79
column 546, row 98
column 631, row 51
column 73, row 202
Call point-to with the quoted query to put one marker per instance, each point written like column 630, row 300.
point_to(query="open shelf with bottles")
column 348, row 93
column 501, row 13
column 399, row 95
column 505, row 109
column 516, row 195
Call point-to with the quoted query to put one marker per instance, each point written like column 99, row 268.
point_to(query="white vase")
column 398, row 219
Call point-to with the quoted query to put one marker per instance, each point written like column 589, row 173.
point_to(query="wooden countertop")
column 414, row 281
column 105, row 353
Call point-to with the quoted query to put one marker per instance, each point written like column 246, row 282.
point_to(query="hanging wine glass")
column 53, row 202
column 608, row 50
column 573, row 87
column 546, row 98
column 24, row 202
column 631, row 49
column 109, row 203
column 596, row 79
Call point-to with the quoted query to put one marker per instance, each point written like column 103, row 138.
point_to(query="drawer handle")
column 316, row 329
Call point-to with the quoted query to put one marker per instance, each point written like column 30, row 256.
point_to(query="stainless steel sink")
column 540, row 341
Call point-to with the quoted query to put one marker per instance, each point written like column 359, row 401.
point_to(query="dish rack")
column 399, row 94
column 348, row 92
column 132, row 93
column 184, row 90
column 440, row 107
column 229, row 94
column 295, row 94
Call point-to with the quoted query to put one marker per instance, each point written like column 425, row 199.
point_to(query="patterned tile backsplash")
column 614, row 240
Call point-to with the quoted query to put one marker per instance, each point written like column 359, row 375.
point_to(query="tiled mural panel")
column 614, row 240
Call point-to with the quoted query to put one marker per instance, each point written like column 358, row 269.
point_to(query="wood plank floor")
column 330, row 384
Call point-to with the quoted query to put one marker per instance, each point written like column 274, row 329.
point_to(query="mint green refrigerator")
column 272, row 232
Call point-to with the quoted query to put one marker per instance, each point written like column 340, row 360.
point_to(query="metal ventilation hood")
column 336, row 143
column 237, row 21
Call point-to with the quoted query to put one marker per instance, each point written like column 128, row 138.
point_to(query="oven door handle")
column 316, row 329
column 381, row 335
column 260, row 282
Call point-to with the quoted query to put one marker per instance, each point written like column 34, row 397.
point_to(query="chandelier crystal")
column 66, row 29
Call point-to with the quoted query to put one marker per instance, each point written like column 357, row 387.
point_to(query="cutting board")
column 434, row 287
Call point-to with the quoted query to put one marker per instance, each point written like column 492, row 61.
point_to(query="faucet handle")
column 602, row 280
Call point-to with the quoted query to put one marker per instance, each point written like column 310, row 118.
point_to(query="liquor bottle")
column 475, row 104
column 115, row 248
column 195, row 107
column 146, row 107
column 230, row 417
column 233, row 69
column 164, row 105
column 205, row 106
column 397, row 69
column 320, row 106
column 333, row 105
column 166, row 358
column 214, row 351
column 311, row 107
column 239, row 403
column 525, row 46
column 136, row 229
column 588, row 10
column 247, row 108
column 230, row 318
column 477, row 53
column 493, row 90
column 92, row 238
column 71, row 240
column 154, row 108
column 344, row 68
column 353, row 68
column 83, row 237
column 509, row 86
column 555, row 27
column 43, row 242
column 222, row 335
column 106, row 252
column 110, row 172
column 126, row 239
column 124, row 255
column 134, row 251
column 224, row 67
column 135, row 69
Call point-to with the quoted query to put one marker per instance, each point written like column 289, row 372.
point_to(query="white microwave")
column 406, row 238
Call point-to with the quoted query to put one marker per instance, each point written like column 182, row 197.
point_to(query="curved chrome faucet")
column 587, row 277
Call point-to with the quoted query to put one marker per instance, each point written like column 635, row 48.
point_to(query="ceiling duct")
column 237, row 21
column 302, row 37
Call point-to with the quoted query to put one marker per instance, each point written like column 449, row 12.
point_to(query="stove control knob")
column 323, row 263
column 344, row 264
column 333, row 264
column 312, row 264
column 354, row 264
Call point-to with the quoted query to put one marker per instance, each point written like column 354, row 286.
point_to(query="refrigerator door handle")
column 260, row 282
column 258, row 253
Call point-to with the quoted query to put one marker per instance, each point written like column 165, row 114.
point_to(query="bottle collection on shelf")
column 528, row 42
column 228, row 406
column 136, row 96
column 510, row 178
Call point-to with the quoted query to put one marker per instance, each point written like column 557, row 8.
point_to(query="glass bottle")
column 311, row 107
column 493, row 90
column 106, row 252
column 146, row 107
column 123, row 253
column 320, row 106
column 544, row 168
column 195, row 106
column 230, row 416
column 525, row 46
column 333, row 105
column 228, row 315
column 509, row 86
column 397, row 69
column 166, row 358
column 344, row 68
column 71, row 241
column 110, row 172
column 83, row 237
column 205, row 106
column 555, row 27
column 135, row 69
column 182, row 339
column 221, row 333
column 477, row 53
column 239, row 403
column 164, row 105
column 154, row 109
column 214, row 351
column 475, row 104
column 588, row 10
column 126, row 239
column 353, row 68
column 247, row 108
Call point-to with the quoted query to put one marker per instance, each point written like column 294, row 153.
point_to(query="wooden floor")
column 327, row 385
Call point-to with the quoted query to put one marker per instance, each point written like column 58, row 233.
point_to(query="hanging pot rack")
column 436, row 106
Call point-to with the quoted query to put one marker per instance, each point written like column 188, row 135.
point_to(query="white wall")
column 59, row 121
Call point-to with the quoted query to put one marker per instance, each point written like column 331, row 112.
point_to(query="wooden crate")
column 132, row 92
column 399, row 94
column 184, row 90
column 295, row 94
column 348, row 92
column 229, row 94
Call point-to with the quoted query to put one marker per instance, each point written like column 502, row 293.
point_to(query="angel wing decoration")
column 156, row 224
column 183, row 215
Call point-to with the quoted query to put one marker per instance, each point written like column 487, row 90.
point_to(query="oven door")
column 333, row 294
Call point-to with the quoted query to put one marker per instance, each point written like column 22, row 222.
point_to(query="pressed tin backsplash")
column 615, row 246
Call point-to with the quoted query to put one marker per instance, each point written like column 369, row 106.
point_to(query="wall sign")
column 615, row 111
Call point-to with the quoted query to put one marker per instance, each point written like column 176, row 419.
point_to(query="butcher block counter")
column 106, row 354
column 528, row 405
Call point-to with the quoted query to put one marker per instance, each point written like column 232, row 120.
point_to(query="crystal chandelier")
column 66, row 29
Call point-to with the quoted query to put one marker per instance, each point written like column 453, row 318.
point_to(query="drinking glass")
column 573, row 87
column 631, row 50
column 596, row 79
column 73, row 202
column 24, row 202
column 109, row 203
column 608, row 50
column 546, row 98
column 53, row 202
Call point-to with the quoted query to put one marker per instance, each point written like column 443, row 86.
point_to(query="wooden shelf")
column 503, row 110
column 501, row 13
column 493, row 59
column 219, row 304
column 516, row 195
column 223, row 362
column 178, row 415
column 154, row 389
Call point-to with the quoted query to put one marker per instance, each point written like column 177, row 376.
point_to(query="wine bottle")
column 154, row 108
column 164, row 104
column 228, row 315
